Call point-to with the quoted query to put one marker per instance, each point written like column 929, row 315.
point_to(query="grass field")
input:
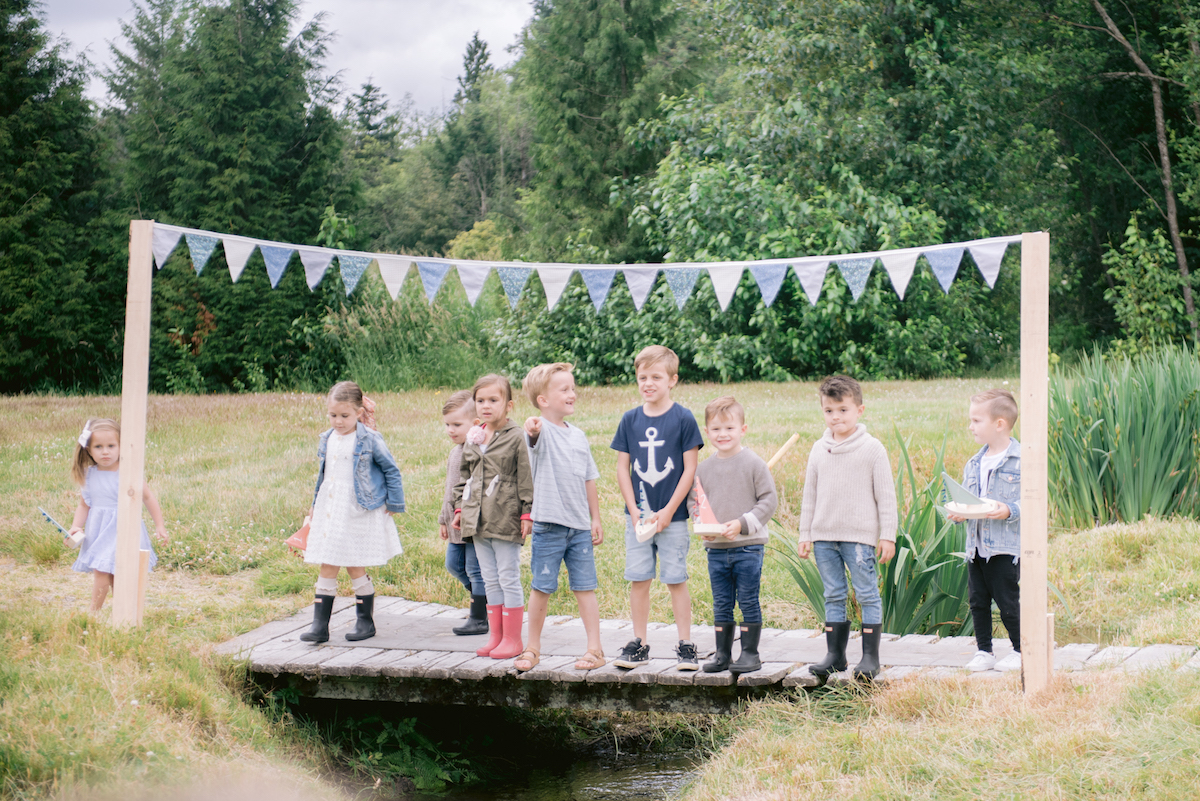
column 84, row 705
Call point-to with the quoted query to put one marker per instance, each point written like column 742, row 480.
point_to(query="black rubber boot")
column 477, row 622
column 748, row 661
column 724, row 632
column 364, row 627
column 837, row 635
column 868, row 667
column 322, row 609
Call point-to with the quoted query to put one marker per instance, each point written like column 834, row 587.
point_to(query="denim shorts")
column 552, row 546
column 669, row 546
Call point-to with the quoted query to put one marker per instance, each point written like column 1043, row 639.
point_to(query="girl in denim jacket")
column 358, row 489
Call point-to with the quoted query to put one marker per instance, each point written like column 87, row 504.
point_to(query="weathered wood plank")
column 609, row 674
column 801, row 677
column 1111, row 656
column 648, row 673
column 414, row 665
column 1074, row 656
column 545, row 669
column 242, row 644
column 771, row 673
column 898, row 672
column 445, row 666
column 1154, row 656
column 351, row 663
column 667, row 672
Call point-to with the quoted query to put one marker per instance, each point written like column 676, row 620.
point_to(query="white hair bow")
column 85, row 434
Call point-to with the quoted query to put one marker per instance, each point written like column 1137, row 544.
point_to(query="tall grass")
column 1125, row 438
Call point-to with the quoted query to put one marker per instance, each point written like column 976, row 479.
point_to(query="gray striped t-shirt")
column 562, row 464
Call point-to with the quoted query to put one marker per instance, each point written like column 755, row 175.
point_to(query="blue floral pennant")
column 856, row 272
column 432, row 274
column 352, row 268
column 513, row 279
column 681, row 280
column 598, row 283
column 201, row 247
column 769, row 278
column 276, row 259
column 944, row 264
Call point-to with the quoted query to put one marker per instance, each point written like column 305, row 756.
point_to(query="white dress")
column 342, row 532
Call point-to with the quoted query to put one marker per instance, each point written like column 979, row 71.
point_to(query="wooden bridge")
column 416, row 658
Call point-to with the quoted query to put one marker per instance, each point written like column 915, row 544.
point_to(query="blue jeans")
column 833, row 558
column 462, row 564
column 735, row 573
column 668, row 549
column 554, row 545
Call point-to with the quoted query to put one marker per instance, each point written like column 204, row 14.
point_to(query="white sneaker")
column 1010, row 662
column 981, row 661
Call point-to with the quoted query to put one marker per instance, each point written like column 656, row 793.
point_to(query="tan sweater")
column 849, row 494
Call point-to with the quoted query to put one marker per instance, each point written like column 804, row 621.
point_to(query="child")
column 492, row 503
column 994, row 543
column 848, row 519
column 459, row 416
column 566, row 510
column 358, row 489
column 657, row 445
column 95, row 468
column 741, row 491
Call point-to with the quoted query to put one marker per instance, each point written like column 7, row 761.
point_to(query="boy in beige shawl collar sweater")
column 848, row 521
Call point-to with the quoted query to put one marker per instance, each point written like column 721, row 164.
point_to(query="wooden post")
column 1035, row 369
column 128, row 589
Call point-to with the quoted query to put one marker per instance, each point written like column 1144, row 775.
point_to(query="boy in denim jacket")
column 994, row 542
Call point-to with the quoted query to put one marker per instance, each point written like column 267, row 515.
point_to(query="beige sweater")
column 849, row 494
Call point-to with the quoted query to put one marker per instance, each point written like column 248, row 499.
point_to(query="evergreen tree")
column 475, row 66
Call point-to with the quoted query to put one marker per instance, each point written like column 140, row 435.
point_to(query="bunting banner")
column 769, row 275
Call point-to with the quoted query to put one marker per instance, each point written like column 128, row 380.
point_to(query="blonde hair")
column 837, row 387
column 1000, row 404
column 463, row 399
column 82, row 459
column 493, row 380
column 538, row 380
column 726, row 406
column 657, row 354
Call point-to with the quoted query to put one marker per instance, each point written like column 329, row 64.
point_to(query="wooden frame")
column 1036, row 625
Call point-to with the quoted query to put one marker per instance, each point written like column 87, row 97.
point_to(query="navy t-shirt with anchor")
column 656, row 446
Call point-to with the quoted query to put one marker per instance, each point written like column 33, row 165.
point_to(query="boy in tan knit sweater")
column 848, row 521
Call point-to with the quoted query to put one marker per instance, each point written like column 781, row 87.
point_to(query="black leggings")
column 997, row 579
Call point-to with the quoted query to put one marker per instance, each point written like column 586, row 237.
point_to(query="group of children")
column 507, row 483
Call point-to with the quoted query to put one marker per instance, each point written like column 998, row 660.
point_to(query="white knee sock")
column 326, row 586
column 362, row 585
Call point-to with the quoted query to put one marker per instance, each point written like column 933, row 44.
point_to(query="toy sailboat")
column 646, row 528
column 963, row 502
column 704, row 523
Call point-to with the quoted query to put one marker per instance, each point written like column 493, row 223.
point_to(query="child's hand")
column 1002, row 513
column 709, row 537
column 597, row 532
column 457, row 523
column 732, row 529
column 161, row 534
column 804, row 548
column 884, row 551
column 953, row 518
column 533, row 426
column 526, row 529
column 659, row 523
column 443, row 532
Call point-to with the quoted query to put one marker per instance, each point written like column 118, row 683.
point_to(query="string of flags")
column 943, row 259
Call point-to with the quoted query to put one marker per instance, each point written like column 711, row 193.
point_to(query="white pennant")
column 554, row 281
column 163, row 242
column 811, row 273
column 394, row 270
column 640, row 281
column 725, row 279
column 900, row 265
column 316, row 262
column 237, row 253
column 472, row 276
column 987, row 256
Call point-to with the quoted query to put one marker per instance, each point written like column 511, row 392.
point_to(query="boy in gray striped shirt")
column 566, row 511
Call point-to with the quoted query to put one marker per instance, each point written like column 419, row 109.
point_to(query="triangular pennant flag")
column 432, row 274
column 640, row 281
column 554, row 281
column 899, row 265
column 856, row 272
column 944, row 264
column 472, row 276
column 237, row 253
column 598, row 282
column 682, row 281
column 316, row 262
column 393, row 270
column 987, row 256
column 352, row 268
column 163, row 242
column 513, row 280
column 276, row 259
column 811, row 273
column 769, row 278
column 725, row 278
column 201, row 247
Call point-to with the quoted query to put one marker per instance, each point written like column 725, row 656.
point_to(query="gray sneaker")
column 686, row 651
column 633, row 654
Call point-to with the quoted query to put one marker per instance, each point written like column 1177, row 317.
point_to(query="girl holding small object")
column 358, row 489
column 95, row 468
column 493, row 502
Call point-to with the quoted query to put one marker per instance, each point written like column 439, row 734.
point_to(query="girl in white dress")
column 358, row 489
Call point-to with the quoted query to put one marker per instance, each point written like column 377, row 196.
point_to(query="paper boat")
column 704, row 522
column 644, row 531
column 963, row 502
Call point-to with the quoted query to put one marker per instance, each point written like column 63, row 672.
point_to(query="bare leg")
column 538, row 602
column 639, row 607
column 681, row 606
column 589, row 613
column 354, row 572
column 101, row 584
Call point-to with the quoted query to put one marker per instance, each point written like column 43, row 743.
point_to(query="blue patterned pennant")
column 276, row 259
column 432, row 274
column 769, row 278
column 352, row 268
column 856, row 272
column 682, row 281
column 944, row 264
column 598, row 283
column 513, row 280
column 201, row 247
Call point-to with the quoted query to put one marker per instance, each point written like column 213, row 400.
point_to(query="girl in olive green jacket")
column 492, row 505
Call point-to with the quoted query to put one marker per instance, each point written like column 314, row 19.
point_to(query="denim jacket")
column 987, row 537
column 376, row 477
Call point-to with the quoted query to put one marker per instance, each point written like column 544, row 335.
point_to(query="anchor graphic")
column 652, row 475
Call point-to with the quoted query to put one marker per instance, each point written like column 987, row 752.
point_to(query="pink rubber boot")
column 510, row 646
column 495, row 629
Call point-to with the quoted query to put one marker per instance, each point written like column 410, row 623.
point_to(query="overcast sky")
column 407, row 46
